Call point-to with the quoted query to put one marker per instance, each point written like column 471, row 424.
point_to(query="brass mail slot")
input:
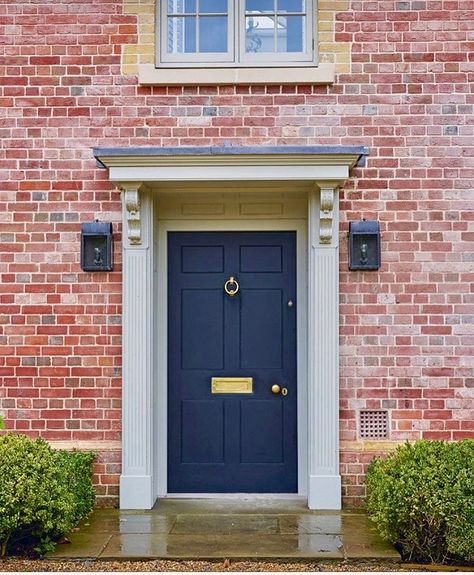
column 232, row 385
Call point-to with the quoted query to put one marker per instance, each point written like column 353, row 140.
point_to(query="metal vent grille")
column 373, row 424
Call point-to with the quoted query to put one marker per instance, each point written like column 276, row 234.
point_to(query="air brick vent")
column 373, row 424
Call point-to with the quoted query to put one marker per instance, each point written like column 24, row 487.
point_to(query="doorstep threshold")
column 292, row 496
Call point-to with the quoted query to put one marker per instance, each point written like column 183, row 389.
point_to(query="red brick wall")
column 406, row 331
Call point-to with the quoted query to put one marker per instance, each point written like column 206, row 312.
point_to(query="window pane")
column 259, row 34
column 213, row 34
column 181, row 35
column 290, row 34
column 291, row 6
column 210, row 6
column 259, row 6
column 181, row 6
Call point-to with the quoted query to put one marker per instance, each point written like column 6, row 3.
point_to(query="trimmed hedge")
column 422, row 499
column 43, row 492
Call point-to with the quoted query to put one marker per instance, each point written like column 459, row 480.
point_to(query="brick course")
column 404, row 88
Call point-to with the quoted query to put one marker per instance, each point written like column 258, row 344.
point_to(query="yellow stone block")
column 137, row 9
column 325, row 16
column 326, row 58
column 148, row 28
column 326, row 38
column 326, row 26
column 343, row 68
column 129, row 59
column 129, row 70
column 333, row 5
column 324, row 47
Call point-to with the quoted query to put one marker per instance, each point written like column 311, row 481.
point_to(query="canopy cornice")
column 347, row 156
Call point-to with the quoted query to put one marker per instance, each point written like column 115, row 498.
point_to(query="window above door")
column 235, row 33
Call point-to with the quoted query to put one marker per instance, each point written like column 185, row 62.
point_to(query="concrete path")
column 218, row 528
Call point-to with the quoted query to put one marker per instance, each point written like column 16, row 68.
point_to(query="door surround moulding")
column 326, row 168
column 161, row 346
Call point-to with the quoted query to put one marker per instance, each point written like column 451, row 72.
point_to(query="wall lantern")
column 96, row 246
column 364, row 245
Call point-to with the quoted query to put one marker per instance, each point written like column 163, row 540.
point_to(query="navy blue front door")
column 232, row 442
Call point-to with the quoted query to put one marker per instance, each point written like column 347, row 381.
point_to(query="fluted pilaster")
column 324, row 490
column 136, row 485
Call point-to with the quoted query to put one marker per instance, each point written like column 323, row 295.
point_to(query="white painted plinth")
column 136, row 492
column 324, row 492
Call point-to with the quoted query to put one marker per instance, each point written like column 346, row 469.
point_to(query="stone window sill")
column 148, row 75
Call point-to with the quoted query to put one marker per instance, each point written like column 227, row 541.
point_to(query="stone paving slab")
column 222, row 546
column 298, row 524
column 82, row 545
column 225, row 524
column 209, row 529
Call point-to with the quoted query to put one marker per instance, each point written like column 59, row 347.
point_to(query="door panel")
column 261, row 431
column 201, row 443
column 261, row 259
column 261, row 329
column 202, row 259
column 231, row 442
column 202, row 318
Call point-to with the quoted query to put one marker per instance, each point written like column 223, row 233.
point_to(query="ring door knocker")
column 232, row 291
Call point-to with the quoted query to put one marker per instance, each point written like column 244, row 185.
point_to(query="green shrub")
column 43, row 492
column 78, row 467
column 422, row 499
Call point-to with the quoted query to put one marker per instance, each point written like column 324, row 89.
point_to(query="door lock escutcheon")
column 277, row 390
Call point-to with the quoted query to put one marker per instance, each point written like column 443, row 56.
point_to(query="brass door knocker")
column 231, row 290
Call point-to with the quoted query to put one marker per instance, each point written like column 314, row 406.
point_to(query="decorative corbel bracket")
column 326, row 207
column 131, row 200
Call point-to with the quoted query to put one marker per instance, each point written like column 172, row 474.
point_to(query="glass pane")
column 291, row 6
column 181, row 6
column 290, row 34
column 259, row 34
column 213, row 34
column 259, row 6
column 213, row 6
column 181, row 35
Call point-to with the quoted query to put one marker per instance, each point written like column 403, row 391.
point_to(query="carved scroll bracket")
column 326, row 208
column 131, row 199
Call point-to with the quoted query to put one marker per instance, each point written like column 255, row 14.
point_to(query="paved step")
column 209, row 529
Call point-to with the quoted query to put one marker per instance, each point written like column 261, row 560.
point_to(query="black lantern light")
column 364, row 245
column 96, row 246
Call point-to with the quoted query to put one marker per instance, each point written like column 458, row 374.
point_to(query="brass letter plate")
column 232, row 385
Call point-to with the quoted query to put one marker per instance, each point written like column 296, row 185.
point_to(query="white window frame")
column 236, row 57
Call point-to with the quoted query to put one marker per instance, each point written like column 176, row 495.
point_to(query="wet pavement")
column 231, row 528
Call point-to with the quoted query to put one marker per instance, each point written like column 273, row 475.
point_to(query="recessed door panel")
column 261, row 431
column 202, row 259
column 202, row 424
column 261, row 259
column 229, row 322
column 202, row 319
column 261, row 336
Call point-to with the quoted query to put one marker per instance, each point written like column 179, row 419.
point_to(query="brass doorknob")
column 276, row 389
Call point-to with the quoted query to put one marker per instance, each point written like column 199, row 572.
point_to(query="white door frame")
column 138, row 482
column 161, row 346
